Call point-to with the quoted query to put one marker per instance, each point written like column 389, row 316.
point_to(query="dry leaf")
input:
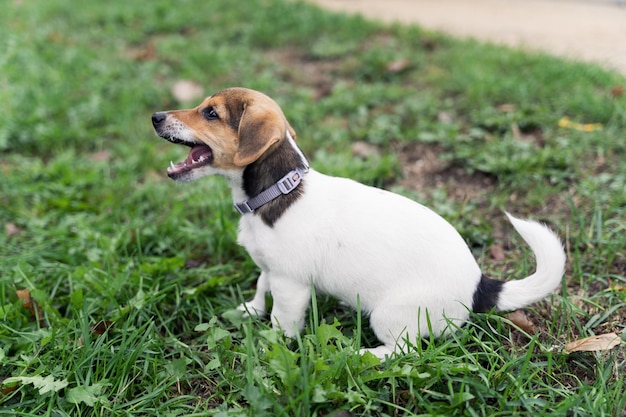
column 364, row 150
column 8, row 390
column 101, row 327
column 322, row 90
column 398, row 65
column 445, row 117
column 517, row 133
column 617, row 91
column 195, row 263
column 566, row 123
column 101, row 156
column 12, row 229
column 594, row 343
column 616, row 286
column 507, row 108
column 26, row 299
column 143, row 53
column 29, row 303
column 522, row 321
column 186, row 90
column 497, row 253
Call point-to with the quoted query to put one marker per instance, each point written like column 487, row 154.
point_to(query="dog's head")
column 226, row 132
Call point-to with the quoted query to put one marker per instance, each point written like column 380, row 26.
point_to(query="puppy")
column 404, row 265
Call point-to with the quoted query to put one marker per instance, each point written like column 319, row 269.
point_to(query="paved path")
column 588, row 30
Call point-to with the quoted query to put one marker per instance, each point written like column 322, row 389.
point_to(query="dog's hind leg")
column 394, row 325
column 256, row 306
column 389, row 326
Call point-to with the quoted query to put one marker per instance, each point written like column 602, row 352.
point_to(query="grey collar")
column 285, row 185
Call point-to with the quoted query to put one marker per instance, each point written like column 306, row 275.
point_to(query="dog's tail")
column 550, row 258
column 511, row 295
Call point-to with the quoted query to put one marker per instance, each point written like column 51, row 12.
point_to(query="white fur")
column 409, row 268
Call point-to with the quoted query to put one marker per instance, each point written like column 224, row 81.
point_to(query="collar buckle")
column 243, row 207
column 290, row 181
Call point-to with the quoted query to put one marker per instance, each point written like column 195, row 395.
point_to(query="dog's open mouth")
column 200, row 155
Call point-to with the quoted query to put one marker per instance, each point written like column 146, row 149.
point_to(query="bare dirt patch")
column 318, row 74
column 423, row 170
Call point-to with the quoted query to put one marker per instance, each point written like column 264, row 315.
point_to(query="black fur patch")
column 486, row 294
column 265, row 172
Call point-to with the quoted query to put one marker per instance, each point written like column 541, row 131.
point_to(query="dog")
column 400, row 262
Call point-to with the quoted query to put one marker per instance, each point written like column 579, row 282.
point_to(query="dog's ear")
column 292, row 132
column 259, row 128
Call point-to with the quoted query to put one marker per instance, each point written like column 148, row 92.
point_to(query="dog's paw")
column 380, row 352
column 251, row 310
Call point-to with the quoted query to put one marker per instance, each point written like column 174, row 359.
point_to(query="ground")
column 591, row 30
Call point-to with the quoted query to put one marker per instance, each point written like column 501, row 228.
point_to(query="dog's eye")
column 209, row 113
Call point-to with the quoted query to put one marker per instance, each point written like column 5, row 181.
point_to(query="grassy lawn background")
column 117, row 286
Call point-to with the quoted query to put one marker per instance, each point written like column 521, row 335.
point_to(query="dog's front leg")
column 256, row 306
column 291, row 299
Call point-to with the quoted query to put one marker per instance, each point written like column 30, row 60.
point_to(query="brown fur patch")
column 248, row 124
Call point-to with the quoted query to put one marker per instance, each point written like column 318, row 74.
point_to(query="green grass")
column 97, row 233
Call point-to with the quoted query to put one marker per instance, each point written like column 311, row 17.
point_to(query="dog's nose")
column 158, row 118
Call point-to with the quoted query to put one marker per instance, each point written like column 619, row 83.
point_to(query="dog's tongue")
column 198, row 156
column 199, row 153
